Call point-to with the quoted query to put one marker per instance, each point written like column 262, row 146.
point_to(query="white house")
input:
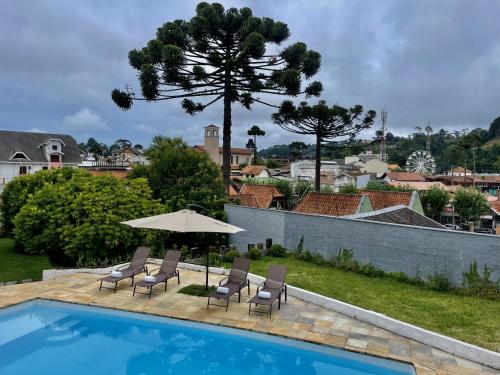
column 24, row 153
column 305, row 169
column 255, row 171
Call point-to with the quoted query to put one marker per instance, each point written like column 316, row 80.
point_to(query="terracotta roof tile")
column 248, row 200
column 264, row 194
column 383, row 199
column 419, row 185
column 329, row 204
column 405, row 176
column 252, row 170
column 232, row 191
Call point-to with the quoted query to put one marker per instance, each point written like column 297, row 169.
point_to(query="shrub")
column 277, row 251
column 300, row 246
column 480, row 285
column 439, row 281
column 214, row 259
column 78, row 221
column 230, row 255
column 17, row 192
column 254, row 253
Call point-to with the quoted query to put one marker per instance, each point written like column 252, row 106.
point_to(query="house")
column 130, row 154
column 334, row 204
column 399, row 214
column 305, row 169
column 281, row 160
column 459, row 171
column 24, row 153
column 393, row 167
column 260, row 196
column 362, row 157
column 384, row 199
column 374, row 166
column 214, row 151
column 361, row 179
column 402, row 176
column 255, row 171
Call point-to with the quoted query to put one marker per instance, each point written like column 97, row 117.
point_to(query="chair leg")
column 165, row 285
column 132, row 280
column 249, row 308
column 239, row 295
column 150, row 291
column 286, row 292
column 178, row 278
column 248, row 287
column 227, row 304
column 133, row 293
column 279, row 301
column 100, row 287
column 116, row 285
column 270, row 310
column 208, row 303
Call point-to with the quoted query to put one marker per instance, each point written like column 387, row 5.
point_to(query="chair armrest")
column 260, row 286
column 224, row 279
column 123, row 267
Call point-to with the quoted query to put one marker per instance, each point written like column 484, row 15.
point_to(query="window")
column 232, row 159
column 23, row 170
column 19, row 155
column 54, row 158
column 45, row 168
column 54, row 147
column 237, row 159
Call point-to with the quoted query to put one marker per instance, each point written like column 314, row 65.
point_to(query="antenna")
column 383, row 129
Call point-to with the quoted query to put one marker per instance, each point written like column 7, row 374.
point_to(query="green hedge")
column 77, row 221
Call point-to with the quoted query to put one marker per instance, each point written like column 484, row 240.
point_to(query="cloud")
column 418, row 59
column 146, row 129
column 85, row 120
column 36, row 130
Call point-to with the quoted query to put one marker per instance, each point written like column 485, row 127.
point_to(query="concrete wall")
column 391, row 247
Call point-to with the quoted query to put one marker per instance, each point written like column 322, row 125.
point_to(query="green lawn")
column 16, row 266
column 469, row 319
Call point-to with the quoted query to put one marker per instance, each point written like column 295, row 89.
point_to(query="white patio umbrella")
column 185, row 221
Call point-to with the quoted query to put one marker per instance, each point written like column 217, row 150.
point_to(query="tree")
column 220, row 54
column 272, row 164
column 138, row 146
column 470, row 204
column 324, row 122
column 17, row 192
column 434, row 201
column 494, row 130
column 255, row 131
column 179, row 175
column 122, row 143
column 296, row 149
column 349, row 189
column 77, row 221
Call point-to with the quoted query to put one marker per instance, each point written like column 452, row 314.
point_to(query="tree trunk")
column 317, row 179
column 254, row 149
column 226, row 132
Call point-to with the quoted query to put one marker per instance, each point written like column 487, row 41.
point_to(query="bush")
column 78, row 221
column 254, row 253
column 17, row 192
column 230, row 255
column 214, row 260
column 439, row 281
column 480, row 285
column 277, row 251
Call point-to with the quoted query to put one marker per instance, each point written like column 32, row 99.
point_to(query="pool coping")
column 447, row 344
column 220, row 325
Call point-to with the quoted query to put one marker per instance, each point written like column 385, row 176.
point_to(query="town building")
column 255, row 171
column 305, row 169
column 403, row 176
column 214, row 150
column 260, row 196
column 25, row 153
column 384, row 199
column 459, row 171
column 130, row 154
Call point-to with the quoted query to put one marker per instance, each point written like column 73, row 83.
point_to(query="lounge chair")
column 274, row 285
column 135, row 267
column 167, row 270
column 235, row 282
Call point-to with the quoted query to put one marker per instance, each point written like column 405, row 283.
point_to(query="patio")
column 296, row 319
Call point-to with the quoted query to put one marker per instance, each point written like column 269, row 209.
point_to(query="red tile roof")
column 383, row 199
column 248, row 200
column 263, row 194
column 232, row 192
column 117, row 174
column 252, row 170
column 405, row 176
column 495, row 206
column 329, row 204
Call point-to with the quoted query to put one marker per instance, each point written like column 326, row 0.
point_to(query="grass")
column 196, row 290
column 15, row 266
column 469, row 319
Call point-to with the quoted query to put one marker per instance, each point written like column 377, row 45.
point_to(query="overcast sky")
column 423, row 60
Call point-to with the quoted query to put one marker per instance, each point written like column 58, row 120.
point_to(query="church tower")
column 211, row 143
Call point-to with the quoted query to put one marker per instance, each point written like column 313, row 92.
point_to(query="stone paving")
column 296, row 319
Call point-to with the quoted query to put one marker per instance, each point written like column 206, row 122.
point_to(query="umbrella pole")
column 206, row 273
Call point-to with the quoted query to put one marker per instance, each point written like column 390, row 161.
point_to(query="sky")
column 425, row 60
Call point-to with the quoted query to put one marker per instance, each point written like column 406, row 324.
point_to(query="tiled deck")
column 296, row 319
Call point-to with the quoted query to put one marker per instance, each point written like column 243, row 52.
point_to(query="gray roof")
column 399, row 214
column 14, row 141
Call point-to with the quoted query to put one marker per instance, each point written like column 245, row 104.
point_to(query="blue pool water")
column 44, row 337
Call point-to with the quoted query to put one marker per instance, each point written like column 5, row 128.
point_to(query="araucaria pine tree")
column 324, row 122
column 221, row 54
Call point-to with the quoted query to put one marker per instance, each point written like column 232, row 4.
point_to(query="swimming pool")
column 45, row 337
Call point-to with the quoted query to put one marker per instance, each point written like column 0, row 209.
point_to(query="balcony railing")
column 107, row 164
